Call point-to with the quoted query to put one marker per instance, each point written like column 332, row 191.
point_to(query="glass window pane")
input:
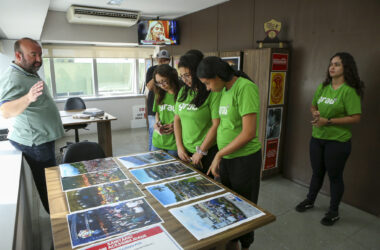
column 73, row 76
column 115, row 75
column 47, row 73
column 141, row 75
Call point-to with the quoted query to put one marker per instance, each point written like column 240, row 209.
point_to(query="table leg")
column 105, row 137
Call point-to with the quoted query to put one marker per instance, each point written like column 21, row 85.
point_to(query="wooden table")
column 59, row 210
column 103, row 127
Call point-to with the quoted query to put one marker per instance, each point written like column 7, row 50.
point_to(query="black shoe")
column 305, row 205
column 330, row 218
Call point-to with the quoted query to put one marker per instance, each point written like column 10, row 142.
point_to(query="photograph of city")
column 95, row 196
column 104, row 222
column 145, row 159
column 83, row 167
column 89, row 179
column 161, row 172
column 215, row 215
column 189, row 188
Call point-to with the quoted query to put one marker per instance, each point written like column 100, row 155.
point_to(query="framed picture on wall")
column 271, row 153
column 234, row 62
column 279, row 62
column 274, row 122
column 277, row 88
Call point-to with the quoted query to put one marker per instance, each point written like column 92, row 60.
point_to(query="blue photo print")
column 161, row 172
column 145, row 159
column 104, row 222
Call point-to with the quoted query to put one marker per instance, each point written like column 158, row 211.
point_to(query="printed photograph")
column 174, row 192
column 145, row 159
column 104, row 222
column 89, row 179
column 96, row 196
column 161, row 172
column 215, row 215
column 274, row 117
column 76, row 168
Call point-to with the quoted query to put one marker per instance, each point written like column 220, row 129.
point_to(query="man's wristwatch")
column 329, row 122
column 199, row 151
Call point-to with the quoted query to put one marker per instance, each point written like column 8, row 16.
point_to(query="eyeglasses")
column 160, row 84
column 185, row 77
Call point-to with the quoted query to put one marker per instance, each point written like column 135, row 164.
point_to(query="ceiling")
column 28, row 20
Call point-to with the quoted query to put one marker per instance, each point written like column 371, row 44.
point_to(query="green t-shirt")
column 241, row 99
column 196, row 121
column 166, row 114
column 335, row 103
column 40, row 122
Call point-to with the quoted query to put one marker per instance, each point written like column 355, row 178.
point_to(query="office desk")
column 59, row 210
column 103, row 127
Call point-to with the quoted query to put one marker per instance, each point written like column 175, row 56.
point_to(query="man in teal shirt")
column 36, row 122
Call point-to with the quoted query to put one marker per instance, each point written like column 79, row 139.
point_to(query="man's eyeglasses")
column 185, row 77
column 160, row 84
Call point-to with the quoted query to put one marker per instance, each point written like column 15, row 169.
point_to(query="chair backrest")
column 83, row 151
column 74, row 103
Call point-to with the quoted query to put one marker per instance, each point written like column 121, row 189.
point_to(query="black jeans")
column 330, row 156
column 207, row 159
column 242, row 175
column 39, row 157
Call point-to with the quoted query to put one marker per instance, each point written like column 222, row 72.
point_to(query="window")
column 95, row 70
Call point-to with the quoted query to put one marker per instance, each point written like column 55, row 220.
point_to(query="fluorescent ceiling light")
column 115, row 2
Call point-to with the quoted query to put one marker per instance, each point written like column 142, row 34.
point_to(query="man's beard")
column 30, row 67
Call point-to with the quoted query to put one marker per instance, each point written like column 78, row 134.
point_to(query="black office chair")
column 83, row 151
column 75, row 103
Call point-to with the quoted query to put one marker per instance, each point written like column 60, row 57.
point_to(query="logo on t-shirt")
column 223, row 110
column 326, row 100
column 168, row 107
column 187, row 106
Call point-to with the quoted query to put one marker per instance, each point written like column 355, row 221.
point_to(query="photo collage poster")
column 152, row 238
column 274, row 123
column 215, row 215
column 104, row 222
column 83, row 167
column 144, row 159
column 182, row 190
column 104, row 194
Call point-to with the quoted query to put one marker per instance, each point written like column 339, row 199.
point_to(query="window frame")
column 96, row 95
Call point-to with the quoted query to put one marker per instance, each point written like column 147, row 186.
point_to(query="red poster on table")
column 271, row 154
column 279, row 62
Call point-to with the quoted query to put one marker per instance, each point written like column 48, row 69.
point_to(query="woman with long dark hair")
column 335, row 106
column 197, row 118
column 238, row 160
column 166, row 89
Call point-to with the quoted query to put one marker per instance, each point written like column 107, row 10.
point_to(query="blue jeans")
column 151, row 122
column 172, row 152
column 39, row 157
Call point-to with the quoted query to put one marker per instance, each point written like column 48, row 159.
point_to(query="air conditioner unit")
column 99, row 16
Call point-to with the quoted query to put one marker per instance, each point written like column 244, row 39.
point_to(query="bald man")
column 36, row 123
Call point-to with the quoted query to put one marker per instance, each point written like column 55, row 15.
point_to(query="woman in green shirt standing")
column 196, row 116
column 335, row 106
column 238, row 161
column 166, row 89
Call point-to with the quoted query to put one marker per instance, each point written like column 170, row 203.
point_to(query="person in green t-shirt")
column 335, row 106
column 197, row 118
column 238, row 161
column 165, row 89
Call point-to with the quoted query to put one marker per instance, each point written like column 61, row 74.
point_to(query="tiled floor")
column 292, row 230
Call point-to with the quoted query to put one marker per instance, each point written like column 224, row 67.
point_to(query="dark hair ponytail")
column 214, row 66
